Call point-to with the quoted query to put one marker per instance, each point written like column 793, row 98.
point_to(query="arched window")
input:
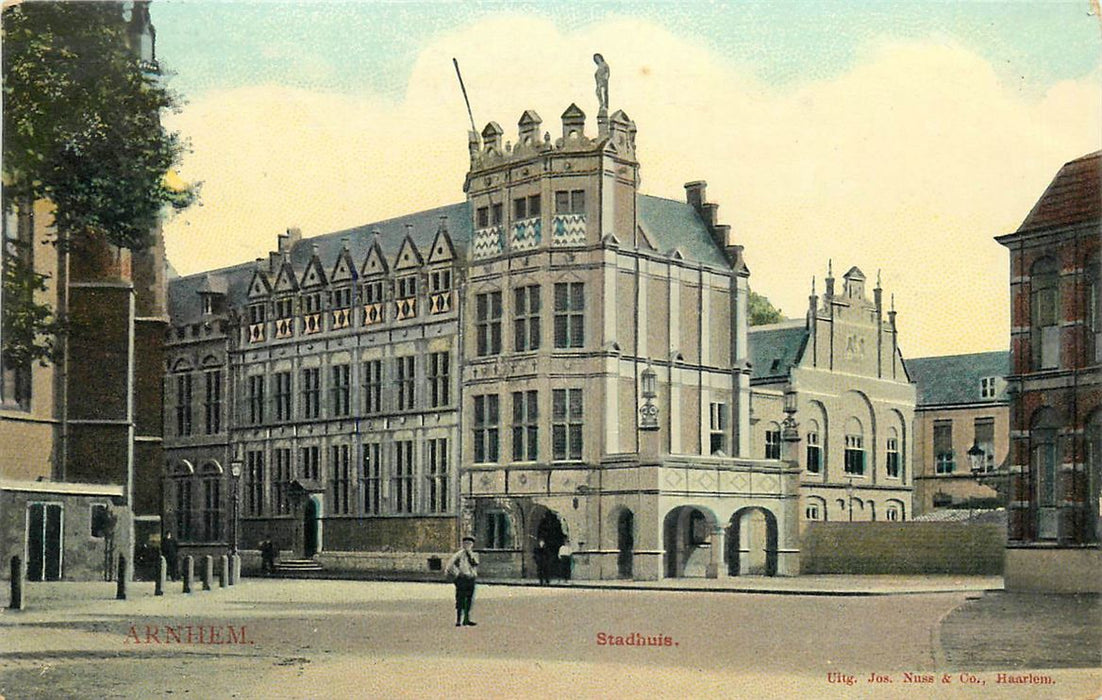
column 1045, row 457
column 815, row 509
column 211, row 480
column 1044, row 304
column 893, row 457
column 814, row 449
column 182, row 476
column 855, row 448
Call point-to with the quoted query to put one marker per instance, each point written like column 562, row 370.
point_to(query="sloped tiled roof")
column 955, row 379
column 671, row 224
column 775, row 348
column 1074, row 196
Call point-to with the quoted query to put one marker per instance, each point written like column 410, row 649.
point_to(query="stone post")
column 224, row 572
column 717, row 568
column 162, row 576
column 236, row 569
column 18, row 582
column 189, row 573
column 208, row 572
column 122, row 579
column 788, row 519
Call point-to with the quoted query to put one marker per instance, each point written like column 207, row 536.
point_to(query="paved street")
column 300, row 639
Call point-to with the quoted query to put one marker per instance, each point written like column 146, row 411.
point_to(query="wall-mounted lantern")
column 648, row 413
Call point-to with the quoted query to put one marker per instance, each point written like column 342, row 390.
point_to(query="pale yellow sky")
column 909, row 162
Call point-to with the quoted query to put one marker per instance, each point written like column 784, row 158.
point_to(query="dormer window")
column 311, row 303
column 208, row 304
column 405, row 304
column 440, row 284
column 284, row 308
column 341, row 303
column 987, row 388
column 407, row 287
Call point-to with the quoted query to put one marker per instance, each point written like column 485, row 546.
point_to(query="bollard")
column 224, row 572
column 120, row 590
column 18, row 582
column 189, row 573
column 208, row 572
column 162, row 576
column 236, row 568
column 231, row 560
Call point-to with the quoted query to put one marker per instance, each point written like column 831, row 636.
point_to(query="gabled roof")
column 671, row 224
column 955, row 379
column 1074, row 196
column 776, row 348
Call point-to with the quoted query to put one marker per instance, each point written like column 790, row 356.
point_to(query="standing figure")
column 566, row 559
column 601, row 77
column 169, row 552
column 543, row 563
column 463, row 570
column 267, row 556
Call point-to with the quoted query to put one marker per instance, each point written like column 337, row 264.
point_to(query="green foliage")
column 30, row 329
column 761, row 311
column 82, row 121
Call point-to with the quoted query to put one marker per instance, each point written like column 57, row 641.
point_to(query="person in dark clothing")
column 267, row 556
column 463, row 569
column 169, row 552
column 543, row 562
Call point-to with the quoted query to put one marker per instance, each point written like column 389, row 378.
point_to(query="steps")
column 296, row 566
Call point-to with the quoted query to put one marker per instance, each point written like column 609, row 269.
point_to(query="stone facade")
column 1056, row 380
column 853, row 401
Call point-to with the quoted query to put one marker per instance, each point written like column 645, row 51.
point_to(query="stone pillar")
column 224, row 572
column 788, row 519
column 162, row 576
column 189, row 573
column 236, row 569
column 208, row 572
column 123, row 579
column 18, row 583
column 717, row 567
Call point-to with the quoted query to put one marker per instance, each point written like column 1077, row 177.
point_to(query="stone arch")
column 752, row 542
column 546, row 524
column 895, row 510
column 623, row 532
column 686, row 537
column 815, row 509
column 312, row 525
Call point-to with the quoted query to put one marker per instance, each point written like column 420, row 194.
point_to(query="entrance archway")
column 625, row 543
column 686, row 536
column 752, row 543
column 547, row 526
column 311, row 527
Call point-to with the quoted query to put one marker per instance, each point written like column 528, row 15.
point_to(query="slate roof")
column 670, row 224
column 775, row 348
column 955, row 379
column 1074, row 196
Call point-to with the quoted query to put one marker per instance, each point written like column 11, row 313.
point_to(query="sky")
column 898, row 137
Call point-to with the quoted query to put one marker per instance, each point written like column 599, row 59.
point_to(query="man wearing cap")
column 463, row 569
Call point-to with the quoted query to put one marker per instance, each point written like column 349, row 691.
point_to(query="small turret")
column 491, row 136
column 529, row 126
column 573, row 121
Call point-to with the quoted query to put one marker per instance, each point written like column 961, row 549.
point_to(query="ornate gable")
column 442, row 249
column 314, row 274
column 260, row 286
column 345, row 269
column 286, row 280
column 408, row 255
column 375, row 263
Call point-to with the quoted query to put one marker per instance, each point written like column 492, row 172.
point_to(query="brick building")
column 1056, row 385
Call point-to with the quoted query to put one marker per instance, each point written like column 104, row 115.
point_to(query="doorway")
column 625, row 543
column 311, row 514
column 44, row 534
column 550, row 531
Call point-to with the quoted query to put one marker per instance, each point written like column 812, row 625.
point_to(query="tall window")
column 310, row 462
column 437, row 475
column 526, row 325
column 212, row 401
column 16, row 257
column 283, row 396
column 405, row 302
column 183, row 508
column 403, row 476
column 212, row 507
column 814, row 449
column 373, row 386
column 439, row 374
column 944, row 460
column 341, row 390
column 256, row 398
column 985, row 440
column 1092, row 302
column 892, row 462
column 372, row 478
column 570, row 202
column 773, row 441
column 498, row 533
column 854, row 455
column 311, row 392
column 525, row 426
column 717, row 425
column 1045, row 314
column 526, row 207
column 566, row 424
column 254, row 477
column 1046, row 459
column 341, row 479
column 486, row 419
column 405, row 381
column 183, row 404
column 374, row 308
column 569, row 315
column 281, row 481
column 488, row 323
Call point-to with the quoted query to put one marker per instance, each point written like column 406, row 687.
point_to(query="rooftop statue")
column 601, row 77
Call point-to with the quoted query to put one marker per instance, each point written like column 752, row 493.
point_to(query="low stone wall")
column 1042, row 569
column 385, row 562
column 903, row 548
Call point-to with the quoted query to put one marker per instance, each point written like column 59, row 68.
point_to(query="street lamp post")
column 849, row 498
column 235, row 471
column 977, row 459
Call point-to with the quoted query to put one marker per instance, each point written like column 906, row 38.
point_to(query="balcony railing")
column 373, row 313
column 256, row 332
column 440, row 302
column 405, row 308
column 342, row 318
column 311, row 323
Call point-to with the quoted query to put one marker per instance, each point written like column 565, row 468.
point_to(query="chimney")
column 694, row 195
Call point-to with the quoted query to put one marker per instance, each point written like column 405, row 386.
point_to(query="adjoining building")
column 557, row 358
column 962, row 431
column 80, row 462
column 842, row 370
column 1056, row 385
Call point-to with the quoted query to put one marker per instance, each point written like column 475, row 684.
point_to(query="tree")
column 761, row 311
column 82, row 129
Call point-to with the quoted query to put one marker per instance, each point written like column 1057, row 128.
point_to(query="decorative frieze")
column 487, row 242
column 568, row 229
column 526, row 234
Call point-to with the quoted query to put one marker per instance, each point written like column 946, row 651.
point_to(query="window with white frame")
column 372, row 478
column 486, row 426
column 892, row 458
column 525, row 426
column 987, row 387
column 1045, row 314
column 569, row 315
column 439, row 376
column 405, row 382
column 403, row 476
column 944, row 459
column 310, row 462
column 282, row 476
column 773, row 441
column 814, row 449
column 283, row 396
column 437, row 475
column 812, row 512
column 718, row 423
column 488, row 323
column 311, row 392
column 854, row 454
column 340, row 471
column 341, row 390
column 984, row 428
column 526, row 324
column 567, row 416
column 254, row 482
column 256, row 398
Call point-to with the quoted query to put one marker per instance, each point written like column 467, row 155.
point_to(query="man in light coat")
column 463, row 570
